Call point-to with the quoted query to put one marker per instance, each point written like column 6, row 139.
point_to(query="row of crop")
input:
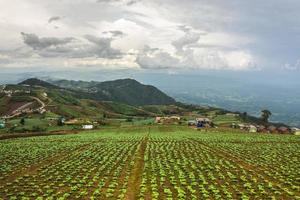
column 92, row 171
column 188, row 169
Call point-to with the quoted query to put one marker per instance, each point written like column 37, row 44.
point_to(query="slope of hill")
column 111, row 99
column 37, row 82
column 75, row 102
column 126, row 91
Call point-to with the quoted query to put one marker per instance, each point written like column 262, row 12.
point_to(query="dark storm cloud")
column 36, row 42
column 102, row 47
column 117, row 33
column 71, row 47
column 54, row 18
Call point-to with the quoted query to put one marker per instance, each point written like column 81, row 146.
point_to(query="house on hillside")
column 72, row 122
column 261, row 129
column 295, row 131
column 241, row 126
column 192, row 123
column 87, row 126
column 283, row 130
column 232, row 114
column 167, row 120
column 252, row 129
column 157, row 120
column 234, row 125
column 2, row 124
column 176, row 118
column 203, row 123
column 272, row 129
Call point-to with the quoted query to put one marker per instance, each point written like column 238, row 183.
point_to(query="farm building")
column 203, row 122
column 72, row 122
column 283, row 130
column 261, row 129
column 272, row 129
column 2, row 124
column 232, row 114
column 192, row 122
column 252, row 129
column 296, row 131
column 234, row 125
column 241, row 126
column 167, row 120
column 158, row 119
column 87, row 126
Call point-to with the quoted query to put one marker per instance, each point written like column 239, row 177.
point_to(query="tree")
column 244, row 116
column 61, row 121
column 265, row 115
column 22, row 121
column 129, row 119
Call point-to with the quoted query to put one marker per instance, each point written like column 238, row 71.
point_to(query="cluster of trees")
column 265, row 115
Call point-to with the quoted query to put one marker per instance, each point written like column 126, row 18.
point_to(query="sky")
column 150, row 35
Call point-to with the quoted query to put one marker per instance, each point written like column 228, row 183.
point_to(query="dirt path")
column 22, row 135
column 135, row 179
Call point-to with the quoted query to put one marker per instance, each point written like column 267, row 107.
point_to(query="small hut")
column 283, row 130
column 252, row 129
column 234, row 125
column 192, row 122
column 157, row 119
column 295, row 131
column 272, row 129
column 87, row 126
column 261, row 129
column 241, row 126
column 2, row 124
column 203, row 123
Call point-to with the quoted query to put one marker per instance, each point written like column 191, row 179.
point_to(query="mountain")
column 126, row 91
column 35, row 94
column 37, row 82
column 98, row 99
column 120, row 98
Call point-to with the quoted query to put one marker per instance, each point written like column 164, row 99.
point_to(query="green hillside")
column 49, row 102
column 126, row 91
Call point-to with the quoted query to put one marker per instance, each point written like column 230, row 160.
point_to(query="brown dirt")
column 135, row 179
column 20, row 135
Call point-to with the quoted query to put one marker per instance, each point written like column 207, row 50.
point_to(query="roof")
column 282, row 128
column 203, row 119
column 272, row 127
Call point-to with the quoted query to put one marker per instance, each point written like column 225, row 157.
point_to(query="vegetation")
column 155, row 162
column 265, row 115
column 22, row 121
column 126, row 91
column 81, row 100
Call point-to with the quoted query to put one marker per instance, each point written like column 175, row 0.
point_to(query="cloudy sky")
column 150, row 34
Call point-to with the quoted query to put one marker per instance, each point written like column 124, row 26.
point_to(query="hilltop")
column 128, row 91
column 120, row 98
column 37, row 82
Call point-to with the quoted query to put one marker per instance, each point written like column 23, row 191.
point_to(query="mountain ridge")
column 127, row 91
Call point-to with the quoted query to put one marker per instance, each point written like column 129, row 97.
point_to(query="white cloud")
column 292, row 67
column 181, row 34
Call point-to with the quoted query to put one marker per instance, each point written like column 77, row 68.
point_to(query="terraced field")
column 158, row 162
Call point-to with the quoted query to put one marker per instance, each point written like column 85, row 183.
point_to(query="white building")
column 87, row 126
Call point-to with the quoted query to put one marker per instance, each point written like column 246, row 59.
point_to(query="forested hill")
column 127, row 91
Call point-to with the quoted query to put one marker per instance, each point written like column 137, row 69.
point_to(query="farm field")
column 151, row 162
